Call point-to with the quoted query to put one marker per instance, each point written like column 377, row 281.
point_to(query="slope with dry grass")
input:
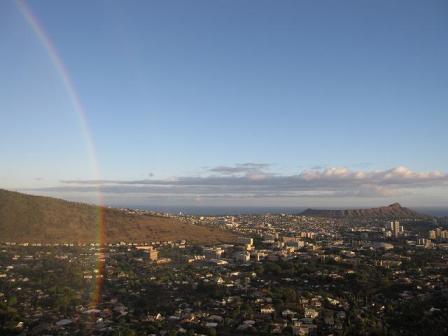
column 47, row 220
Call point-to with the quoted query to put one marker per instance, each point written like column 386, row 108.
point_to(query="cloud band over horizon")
column 257, row 181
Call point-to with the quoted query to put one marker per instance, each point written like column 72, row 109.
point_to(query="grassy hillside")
column 44, row 219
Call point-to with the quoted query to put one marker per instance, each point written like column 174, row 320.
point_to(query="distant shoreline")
column 229, row 211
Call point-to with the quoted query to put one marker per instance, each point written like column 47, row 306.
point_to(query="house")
column 267, row 310
column 311, row 313
column 288, row 313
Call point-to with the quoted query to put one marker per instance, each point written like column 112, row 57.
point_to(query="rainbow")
column 75, row 100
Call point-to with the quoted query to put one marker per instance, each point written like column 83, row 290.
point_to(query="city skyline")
column 323, row 104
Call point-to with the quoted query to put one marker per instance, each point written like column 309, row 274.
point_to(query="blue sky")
column 176, row 90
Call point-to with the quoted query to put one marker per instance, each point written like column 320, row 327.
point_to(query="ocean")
column 228, row 211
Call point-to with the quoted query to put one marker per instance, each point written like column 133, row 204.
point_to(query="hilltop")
column 44, row 219
column 393, row 211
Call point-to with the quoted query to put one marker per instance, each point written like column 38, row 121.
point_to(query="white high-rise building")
column 396, row 230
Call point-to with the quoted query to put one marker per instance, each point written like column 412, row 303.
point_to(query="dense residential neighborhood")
column 285, row 275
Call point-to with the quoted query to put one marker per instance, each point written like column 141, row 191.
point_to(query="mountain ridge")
column 392, row 211
column 30, row 218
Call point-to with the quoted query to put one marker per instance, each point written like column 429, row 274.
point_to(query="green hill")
column 26, row 218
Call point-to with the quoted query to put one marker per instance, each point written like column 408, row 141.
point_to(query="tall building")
column 396, row 229
column 432, row 234
column 391, row 226
column 153, row 255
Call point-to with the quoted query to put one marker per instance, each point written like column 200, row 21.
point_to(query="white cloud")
column 251, row 180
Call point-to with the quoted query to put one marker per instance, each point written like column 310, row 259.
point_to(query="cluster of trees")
column 9, row 317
